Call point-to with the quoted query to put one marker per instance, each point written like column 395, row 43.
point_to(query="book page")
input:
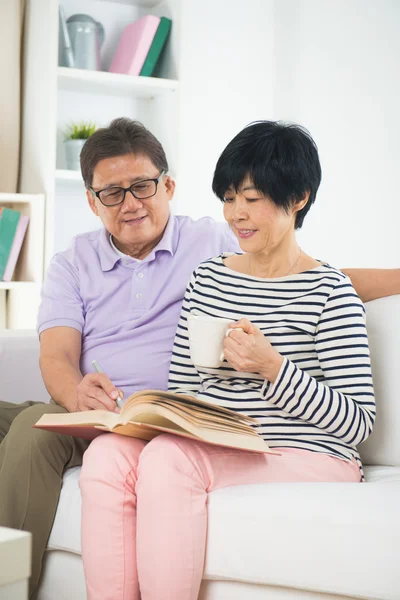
column 207, row 409
column 180, row 414
column 225, row 438
column 204, row 419
column 141, row 428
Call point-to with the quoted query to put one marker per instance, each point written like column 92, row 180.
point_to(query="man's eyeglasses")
column 116, row 195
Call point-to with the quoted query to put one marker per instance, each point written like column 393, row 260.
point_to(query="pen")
column 98, row 368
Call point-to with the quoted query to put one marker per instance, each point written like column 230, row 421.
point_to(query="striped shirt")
column 322, row 399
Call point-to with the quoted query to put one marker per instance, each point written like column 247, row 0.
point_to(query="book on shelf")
column 9, row 219
column 16, row 247
column 156, row 47
column 134, row 45
column 148, row 413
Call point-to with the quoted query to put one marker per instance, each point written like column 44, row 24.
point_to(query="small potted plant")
column 75, row 136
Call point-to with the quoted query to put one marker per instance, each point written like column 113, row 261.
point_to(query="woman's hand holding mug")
column 247, row 349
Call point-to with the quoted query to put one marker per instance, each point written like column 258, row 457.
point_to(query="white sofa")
column 328, row 541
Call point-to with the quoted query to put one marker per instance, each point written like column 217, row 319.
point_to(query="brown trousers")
column 32, row 462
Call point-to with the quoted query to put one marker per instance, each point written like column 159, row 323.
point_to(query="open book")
column 151, row 412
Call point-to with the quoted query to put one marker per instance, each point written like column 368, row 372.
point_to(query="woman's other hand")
column 247, row 349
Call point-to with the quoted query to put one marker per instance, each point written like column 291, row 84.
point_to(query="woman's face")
column 256, row 221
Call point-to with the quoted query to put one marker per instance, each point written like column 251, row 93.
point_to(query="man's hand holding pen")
column 96, row 392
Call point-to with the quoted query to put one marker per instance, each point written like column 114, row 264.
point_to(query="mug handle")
column 227, row 334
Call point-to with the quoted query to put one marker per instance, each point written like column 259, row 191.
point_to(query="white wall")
column 226, row 73
column 331, row 65
column 338, row 65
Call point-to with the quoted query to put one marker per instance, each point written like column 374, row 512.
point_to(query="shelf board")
column 148, row 3
column 12, row 285
column 113, row 84
column 23, row 198
column 68, row 175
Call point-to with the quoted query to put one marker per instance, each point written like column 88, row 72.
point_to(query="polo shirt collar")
column 108, row 257
column 168, row 240
column 168, row 243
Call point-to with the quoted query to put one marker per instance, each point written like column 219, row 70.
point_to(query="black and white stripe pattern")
column 323, row 398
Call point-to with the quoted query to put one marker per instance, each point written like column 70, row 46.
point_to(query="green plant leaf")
column 79, row 131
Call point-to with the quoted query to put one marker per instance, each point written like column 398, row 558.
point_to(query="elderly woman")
column 302, row 342
column 297, row 361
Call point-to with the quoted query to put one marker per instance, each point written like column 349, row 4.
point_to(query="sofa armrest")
column 20, row 377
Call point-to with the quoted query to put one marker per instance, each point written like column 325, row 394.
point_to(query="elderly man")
column 114, row 296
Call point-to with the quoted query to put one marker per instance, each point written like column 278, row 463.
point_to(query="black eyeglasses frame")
column 128, row 189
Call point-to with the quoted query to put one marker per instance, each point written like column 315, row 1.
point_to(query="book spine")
column 134, row 45
column 156, row 47
column 16, row 247
column 8, row 227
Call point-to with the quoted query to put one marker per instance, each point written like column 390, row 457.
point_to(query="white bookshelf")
column 147, row 3
column 16, row 285
column 29, row 267
column 20, row 298
column 56, row 96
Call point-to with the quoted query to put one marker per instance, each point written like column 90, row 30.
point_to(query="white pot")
column 72, row 153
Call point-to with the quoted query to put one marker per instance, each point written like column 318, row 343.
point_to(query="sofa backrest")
column 20, row 378
column 383, row 325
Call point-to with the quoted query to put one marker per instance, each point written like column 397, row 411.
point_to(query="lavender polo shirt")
column 127, row 310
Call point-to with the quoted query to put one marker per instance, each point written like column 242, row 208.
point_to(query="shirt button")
column 140, row 275
column 138, row 295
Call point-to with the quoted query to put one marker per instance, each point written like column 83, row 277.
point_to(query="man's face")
column 136, row 225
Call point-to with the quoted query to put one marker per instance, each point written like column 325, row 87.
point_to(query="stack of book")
column 140, row 46
column 13, row 226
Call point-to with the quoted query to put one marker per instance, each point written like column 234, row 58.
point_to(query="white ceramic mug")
column 206, row 338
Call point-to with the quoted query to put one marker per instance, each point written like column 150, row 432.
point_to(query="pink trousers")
column 144, row 508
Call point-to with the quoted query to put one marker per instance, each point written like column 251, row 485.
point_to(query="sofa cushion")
column 66, row 531
column 383, row 325
column 337, row 538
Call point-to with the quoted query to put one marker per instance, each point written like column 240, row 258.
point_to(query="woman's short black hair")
column 281, row 160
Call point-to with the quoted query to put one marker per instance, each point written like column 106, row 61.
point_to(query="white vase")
column 72, row 153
